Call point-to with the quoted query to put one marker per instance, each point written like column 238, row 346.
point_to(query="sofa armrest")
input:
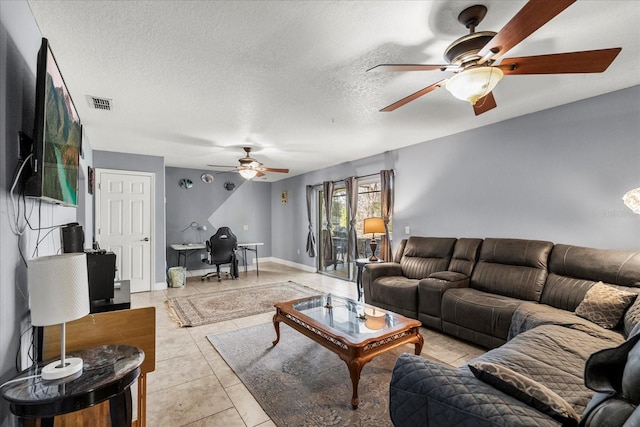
column 375, row 270
column 424, row 392
column 430, row 292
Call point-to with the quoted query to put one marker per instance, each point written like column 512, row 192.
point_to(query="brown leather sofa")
column 470, row 288
column 517, row 297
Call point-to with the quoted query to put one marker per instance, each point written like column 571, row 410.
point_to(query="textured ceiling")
column 193, row 81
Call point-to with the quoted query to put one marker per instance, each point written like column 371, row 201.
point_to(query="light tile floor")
column 193, row 386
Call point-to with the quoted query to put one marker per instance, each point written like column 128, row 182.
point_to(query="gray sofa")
column 423, row 392
column 517, row 297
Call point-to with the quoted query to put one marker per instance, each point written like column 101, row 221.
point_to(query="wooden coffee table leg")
column 419, row 344
column 355, row 367
column 276, row 325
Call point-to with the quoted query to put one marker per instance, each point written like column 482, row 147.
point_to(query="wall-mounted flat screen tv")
column 57, row 136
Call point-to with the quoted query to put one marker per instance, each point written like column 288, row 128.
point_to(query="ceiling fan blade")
column 532, row 16
column 407, row 67
column 222, row 166
column 413, row 96
column 588, row 61
column 484, row 104
column 259, row 174
column 274, row 170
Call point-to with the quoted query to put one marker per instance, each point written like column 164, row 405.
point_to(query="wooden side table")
column 360, row 263
column 108, row 372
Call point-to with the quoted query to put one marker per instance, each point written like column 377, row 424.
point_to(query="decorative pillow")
column 632, row 317
column 526, row 390
column 604, row 305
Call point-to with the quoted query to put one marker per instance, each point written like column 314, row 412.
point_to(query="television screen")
column 57, row 136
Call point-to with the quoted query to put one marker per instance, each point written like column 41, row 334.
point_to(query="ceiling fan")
column 474, row 57
column 250, row 167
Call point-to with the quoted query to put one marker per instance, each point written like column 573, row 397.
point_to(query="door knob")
column 146, row 239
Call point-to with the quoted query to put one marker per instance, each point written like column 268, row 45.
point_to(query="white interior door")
column 124, row 217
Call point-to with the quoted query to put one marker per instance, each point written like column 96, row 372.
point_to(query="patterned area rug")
column 201, row 309
column 300, row 383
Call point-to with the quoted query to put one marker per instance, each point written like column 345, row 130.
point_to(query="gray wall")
column 140, row 163
column 212, row 205
column 556, row 175
column 19, row 43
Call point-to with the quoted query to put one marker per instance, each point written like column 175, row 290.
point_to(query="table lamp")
column 375, row 318
column 59, row 293
column 373, row 226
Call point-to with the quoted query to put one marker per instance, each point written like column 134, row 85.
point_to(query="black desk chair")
column 221, row 249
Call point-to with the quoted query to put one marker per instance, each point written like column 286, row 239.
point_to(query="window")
column 369, row 201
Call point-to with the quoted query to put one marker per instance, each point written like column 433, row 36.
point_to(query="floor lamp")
column 59, row 293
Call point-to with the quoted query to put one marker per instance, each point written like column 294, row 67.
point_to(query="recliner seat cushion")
column 396, row 292
column 479, row 311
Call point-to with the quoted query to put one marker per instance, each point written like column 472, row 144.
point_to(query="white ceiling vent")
column 100, row 103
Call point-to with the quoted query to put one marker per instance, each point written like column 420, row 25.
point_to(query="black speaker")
column 72, row 238
column 101, row 267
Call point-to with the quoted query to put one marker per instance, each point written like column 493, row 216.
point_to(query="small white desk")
column 184, row 248
column 253, row 247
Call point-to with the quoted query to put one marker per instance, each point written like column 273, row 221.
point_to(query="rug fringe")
column 172, row 314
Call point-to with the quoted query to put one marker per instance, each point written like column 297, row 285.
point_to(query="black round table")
column 107, row 374
column 360, row 263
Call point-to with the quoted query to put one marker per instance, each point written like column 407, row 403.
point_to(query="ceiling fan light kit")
column 247, row 173
column 249, row 167
column 472, row 56
column 474, row 83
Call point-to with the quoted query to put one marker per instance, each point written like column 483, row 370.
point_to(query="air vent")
column 100, row 103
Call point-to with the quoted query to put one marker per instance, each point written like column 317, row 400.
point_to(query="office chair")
column 221, row 250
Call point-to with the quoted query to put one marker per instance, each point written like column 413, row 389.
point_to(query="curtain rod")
column 363, row 176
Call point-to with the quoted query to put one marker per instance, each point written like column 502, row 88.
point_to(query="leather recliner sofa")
column 470, row 288
column 519, row 299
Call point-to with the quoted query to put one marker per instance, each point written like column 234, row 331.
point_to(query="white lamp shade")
column 474, row 83
column 58, row 288
column 248, row 173
column 632, row 200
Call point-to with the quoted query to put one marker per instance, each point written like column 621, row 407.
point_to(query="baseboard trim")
column 159, row 286
column 307, row 268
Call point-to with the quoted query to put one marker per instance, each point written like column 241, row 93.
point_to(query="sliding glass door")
column 334, row 262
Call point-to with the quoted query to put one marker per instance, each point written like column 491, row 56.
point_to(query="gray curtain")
column 311, row 239
column 351, row 186
column 386, row 199
column 327, row 188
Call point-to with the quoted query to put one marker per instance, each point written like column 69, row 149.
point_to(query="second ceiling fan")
column 474, row 57
column 250, row 167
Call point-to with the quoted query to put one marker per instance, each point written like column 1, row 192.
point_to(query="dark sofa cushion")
column 465, row 255
column 479, row 311
column 609, row 266
column 632, row 317
column 573, row 270
column 396, row 293
column 512, row 267
column 613, row 373
column 425, row 255
column 564, row 292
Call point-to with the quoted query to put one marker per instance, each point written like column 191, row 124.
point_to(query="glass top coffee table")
column 355, row 331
